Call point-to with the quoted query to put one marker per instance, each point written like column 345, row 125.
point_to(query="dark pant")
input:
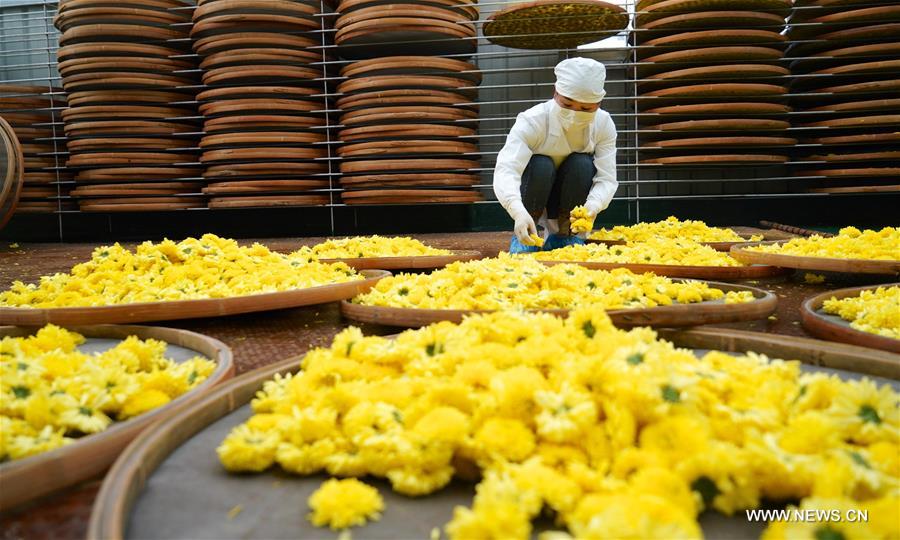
column 557, row 190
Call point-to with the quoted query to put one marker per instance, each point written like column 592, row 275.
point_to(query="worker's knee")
column 578, row 166
column 541, row 166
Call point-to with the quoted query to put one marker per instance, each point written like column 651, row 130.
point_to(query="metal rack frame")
column 513, row 80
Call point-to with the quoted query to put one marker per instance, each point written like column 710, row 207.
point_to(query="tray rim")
column 192, row 309
column 126, row 479
column 764, row 305
column 417, row 262
column 818, row 325
column 19, row 473
column 824, row 264
column 755, row 271
column 718, row 246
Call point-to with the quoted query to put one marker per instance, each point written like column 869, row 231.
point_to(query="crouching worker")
column 559, row 155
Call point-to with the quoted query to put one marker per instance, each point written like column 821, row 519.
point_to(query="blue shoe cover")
column 556, row 241
column 515, row 246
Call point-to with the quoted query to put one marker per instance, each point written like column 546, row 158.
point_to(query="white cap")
column 581, row 79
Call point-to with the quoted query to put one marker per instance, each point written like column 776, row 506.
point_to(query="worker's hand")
column 593, row 209
column 524, row 228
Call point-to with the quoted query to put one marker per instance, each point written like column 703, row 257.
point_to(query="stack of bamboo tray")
column 847, row 68
column 122, row 64
column 264, row 126
column 30, row 112
column 375, row 28
column 711, row 81
column 408, row 131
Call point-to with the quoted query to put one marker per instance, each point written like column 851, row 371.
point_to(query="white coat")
column 539, row 131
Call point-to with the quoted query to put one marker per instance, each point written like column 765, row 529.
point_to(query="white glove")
column 524, row 225
column 593, row 208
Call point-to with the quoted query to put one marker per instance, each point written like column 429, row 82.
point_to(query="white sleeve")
column 511, row 162
column 605, row 183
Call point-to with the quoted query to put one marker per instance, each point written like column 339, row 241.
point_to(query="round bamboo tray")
column 279, row 169
column 425, row 13
column 727, row 273
column 413, row 65
column 268, row 201
column 718, row 37
column 657, row 10
column 409, row 196
column 712, row 19
column 242, row 40
column 416, row 179
column 717, row 142
column 411, row 131
column 718, row 159
column 736, row 108
column 138, row 206
column 264, row 186
column 420, row 262
column 866, row 105
column 158, row 487
column 27, row 479
column 855, row 189
column 823, row 264
column 834, row 328
column 725, row 124
column 375, row 83
column 192, row 309
column 394, row 165
column 552, row 24
column 12, row 168
column 713, row 312
column 718, row 246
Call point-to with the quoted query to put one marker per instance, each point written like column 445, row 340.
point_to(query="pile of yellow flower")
column 209, row 267
column 849, row 243
column 510, row 282
column 340, row 504
column 580, row 220
column 653, row 251
column 369, row 246
column 673, row 228
column 618, row 434
column 52, row 393
column 874, row 311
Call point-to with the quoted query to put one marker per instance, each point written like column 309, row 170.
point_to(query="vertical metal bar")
column 328, row 142
column 632, row 7
column 49, row 32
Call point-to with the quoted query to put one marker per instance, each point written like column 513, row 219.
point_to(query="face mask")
column 569, row 118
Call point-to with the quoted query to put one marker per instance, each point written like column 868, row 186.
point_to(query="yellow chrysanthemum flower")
column 51, row 393
column 654, row 250
column 510, row 282
column 620, row 434
column 672, row 228
column 874, row 311
column 580, row 220
column 340, row 504
column 369, row 246
column 849, row 243
column 208, row 267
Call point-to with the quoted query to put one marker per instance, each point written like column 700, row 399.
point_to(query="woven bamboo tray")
column 713, row 312
column 727, row 273
column 33, row 477
column 718, row 246
column 834, row 328
column 421, row 262
column 168, row 483
column 823, row 264
column 192, row 309
column 12, row 168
